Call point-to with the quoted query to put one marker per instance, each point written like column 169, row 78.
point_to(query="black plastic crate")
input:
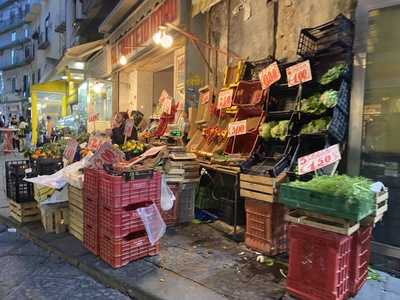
column 228, row 211
column 47, row 166
column 21, row 190
column 332, row 37
column 10, row 178
column 338, row 127
column 343, row 98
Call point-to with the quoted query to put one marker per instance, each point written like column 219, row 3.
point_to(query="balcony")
column 20, row 60
column 32, row 10
column 43, row 42
column 12, row 23
column 61, row 26
column 16, row 43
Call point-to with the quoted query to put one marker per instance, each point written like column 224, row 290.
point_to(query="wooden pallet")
column 55, row 217
column 261, row 188
column 323, row 222
column 24, row 212
column 75, row 197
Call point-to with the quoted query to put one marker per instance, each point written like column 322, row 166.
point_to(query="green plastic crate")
column 325, row 204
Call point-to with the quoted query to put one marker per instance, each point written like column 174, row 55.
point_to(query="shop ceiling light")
column 167, row 41
column 64, row 77
column 122, row 60
column 98, row 86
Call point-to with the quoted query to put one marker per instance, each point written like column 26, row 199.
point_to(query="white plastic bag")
column 167, row 196
column 153, row 222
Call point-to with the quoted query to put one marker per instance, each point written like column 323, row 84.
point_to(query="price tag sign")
column 106, row 154
column 93, row 117
column 164, row 95
column 167, row 105
column 204, row 97
column 128, row 127
column 299, row 73
column 319, row 159
column 269, row 75
column 237, row 128
column 70, row 150
column 225, row 99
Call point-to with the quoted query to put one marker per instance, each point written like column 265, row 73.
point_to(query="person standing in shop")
column 22, row 127
column 49, row 129
column 14, row 125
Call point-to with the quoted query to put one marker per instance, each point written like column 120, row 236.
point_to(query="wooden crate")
column 42, row 193
column 24, row 212
column 323, row 222
column 55, row 217
column 262, row 188
column 75, row 197
column 381, row 206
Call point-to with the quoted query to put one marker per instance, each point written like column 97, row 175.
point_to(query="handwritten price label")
column 319, row 159
column 167, row 105
column 225, row 99
column 299, row 73
column 70, row 150
column 128, row 127
column 237, row 128
column 205, row 97
column 269, row 75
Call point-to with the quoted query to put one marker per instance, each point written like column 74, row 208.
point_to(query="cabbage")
column 265, row 130
column 329, row 98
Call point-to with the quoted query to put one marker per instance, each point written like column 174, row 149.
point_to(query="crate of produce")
column 55, row 217
column 20, row 190
column 319, row 264
column 75, row 197
column 325, row 203
column 119, row 252
column 332, row 37
column 170, row 217
column 25, row 212
column 359, row 261
column 265, row 227
column 248, row 93
column 245, row 144
column 187, row 195
column 263, row 188
column 91, row 236
column 42, row 192
column 118, row 192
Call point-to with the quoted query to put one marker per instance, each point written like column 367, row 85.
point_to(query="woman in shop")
column 22, row 132
column 118, row 126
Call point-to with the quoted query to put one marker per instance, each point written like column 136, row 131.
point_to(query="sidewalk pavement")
column 196, row 262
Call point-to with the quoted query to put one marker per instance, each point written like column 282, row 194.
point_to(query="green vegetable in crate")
column 312, row 105
column 329, row 98
column 333, row 73
column 265, row 130
column 316, row 126
column 133, row 147
column 351, row 189
column 280, row 130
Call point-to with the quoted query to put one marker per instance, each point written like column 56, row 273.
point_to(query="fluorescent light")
column 122, row 60
column 79, row 65
column 157, row 37
column 167, row 41
column 64, row 77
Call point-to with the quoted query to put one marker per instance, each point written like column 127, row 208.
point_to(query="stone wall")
column 265, row 27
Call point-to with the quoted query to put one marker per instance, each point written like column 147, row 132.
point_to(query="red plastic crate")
column 360, row 254
column 119, row 222
column 117, row 192
column 265, row 227
column 170, row 217
column 319, row 264
column 119, row 252
column 90, row 237
column 91, row 208
column 91, row 181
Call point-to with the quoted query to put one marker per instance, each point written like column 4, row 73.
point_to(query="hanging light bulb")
column 122, row 60
column 167, row 41
column 157, row 37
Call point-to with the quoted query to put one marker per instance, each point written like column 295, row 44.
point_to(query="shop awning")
column 117, row 14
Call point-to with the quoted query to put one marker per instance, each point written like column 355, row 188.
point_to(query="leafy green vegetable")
column 316, row 126
column 332, row 74
column 265, row 130
column 312, row 105
column 280, row 130
column 329, row 98
column 352, row 189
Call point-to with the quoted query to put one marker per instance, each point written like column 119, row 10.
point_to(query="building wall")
column 268, row 28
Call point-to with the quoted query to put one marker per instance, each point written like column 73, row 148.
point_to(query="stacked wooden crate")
column 24, row 212
column 75, row 197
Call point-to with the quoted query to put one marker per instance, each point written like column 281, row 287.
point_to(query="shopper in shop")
column 22, row 132
column 118, row 125
column 49, row 129
column 14, row 125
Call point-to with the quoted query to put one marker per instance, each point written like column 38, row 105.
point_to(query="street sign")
column 269, row 75
column 237, row 128
column 70, row 150
column 299, row 73
column 225, row 99
column 319, row 159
